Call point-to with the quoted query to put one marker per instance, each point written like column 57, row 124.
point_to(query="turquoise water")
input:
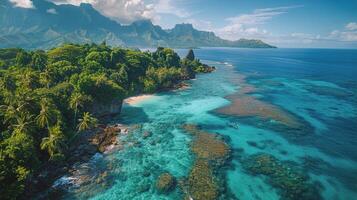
column 317, row 87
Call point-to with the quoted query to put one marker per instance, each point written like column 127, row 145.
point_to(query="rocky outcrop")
column 109, row 109
column 87, row 145
column 107, row 138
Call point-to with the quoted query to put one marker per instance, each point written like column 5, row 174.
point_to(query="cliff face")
column 102, row 110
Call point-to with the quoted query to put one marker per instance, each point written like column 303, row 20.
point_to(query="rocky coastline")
column 87, row 145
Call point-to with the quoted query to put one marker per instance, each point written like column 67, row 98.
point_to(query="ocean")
column 288, row 116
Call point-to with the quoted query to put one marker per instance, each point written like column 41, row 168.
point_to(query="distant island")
column 50, row 25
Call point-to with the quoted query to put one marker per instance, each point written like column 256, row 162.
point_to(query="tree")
column 48, row 113
column 29, row 79
column 166, row 57
column 102, row 58
column 23, row 58
column 190, row 56
column 77, row 101
column 24, row 123
column 39, row 60
column 187, row 71
column 121, row 78
column 18, row 158
column 87, row 122
column 68, row 52
column 54, row 143
column 8, row 83
column 117, row 56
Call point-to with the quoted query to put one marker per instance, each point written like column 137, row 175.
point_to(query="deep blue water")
column 336, row 68
column 316, row 86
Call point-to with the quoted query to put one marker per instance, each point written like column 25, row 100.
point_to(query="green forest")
column 48, row 97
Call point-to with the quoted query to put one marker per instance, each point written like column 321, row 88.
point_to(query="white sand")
column 137, row 99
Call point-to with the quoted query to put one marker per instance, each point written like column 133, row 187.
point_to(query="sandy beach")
column 137, row 99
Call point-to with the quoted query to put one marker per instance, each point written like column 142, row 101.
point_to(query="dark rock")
column 143, row 188
column 106, row 138
column 165, row 183
column 146, row 173
column 252, row 143
column 146, row 134
column 107, row 109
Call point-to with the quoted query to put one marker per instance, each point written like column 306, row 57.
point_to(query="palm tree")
column 9, row 97
column 87, row 122
column 7, row 83
column 54, row 143
column 77, row 100
column 47, row 114
column 12, row 112
column 23, row 123
column 8, row 112
column 45, row 78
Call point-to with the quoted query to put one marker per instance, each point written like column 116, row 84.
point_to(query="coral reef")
column 244, row 105
column 211, row 154
column 165, row 183
column 201, row 183
column 292, row 184
column 248, row 106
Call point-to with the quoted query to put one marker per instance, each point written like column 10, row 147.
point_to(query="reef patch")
column 205, row 181
column 290, row 182
column 245, row 105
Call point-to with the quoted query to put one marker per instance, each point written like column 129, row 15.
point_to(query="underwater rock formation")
column 201, row 182
column 211, row 154
column 165, row 183
column 245, row 105
column 248, row 106
column 292, row 184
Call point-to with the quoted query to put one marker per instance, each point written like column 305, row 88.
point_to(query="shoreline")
column 137, row 99
column 134, row 100
column 97, row 142
column 100, row 141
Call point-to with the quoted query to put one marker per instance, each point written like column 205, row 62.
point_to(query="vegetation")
column 48, row 97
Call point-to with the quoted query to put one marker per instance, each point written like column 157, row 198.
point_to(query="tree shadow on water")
column 132, row 115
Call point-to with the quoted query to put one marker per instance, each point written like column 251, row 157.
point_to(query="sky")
column 284, row 23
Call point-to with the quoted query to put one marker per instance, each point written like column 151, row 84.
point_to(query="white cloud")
column 351, row 26
column 203, row 25
column 22, row 3
column 52, row 11
column 246, row 25
column 128, row 11
column 304, row 38
column 343, row 36
column 348, row 34
column 334, row 39
column 168, row 7
column 123, row 11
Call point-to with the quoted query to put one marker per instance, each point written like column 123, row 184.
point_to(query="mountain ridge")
column 49, row 25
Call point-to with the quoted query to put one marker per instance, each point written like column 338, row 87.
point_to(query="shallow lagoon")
column 314, row 86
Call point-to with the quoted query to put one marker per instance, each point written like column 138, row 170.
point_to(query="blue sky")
column 309, row 23
column 285, row 23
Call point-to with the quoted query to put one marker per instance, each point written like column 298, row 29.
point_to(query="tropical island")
column 49, row 98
